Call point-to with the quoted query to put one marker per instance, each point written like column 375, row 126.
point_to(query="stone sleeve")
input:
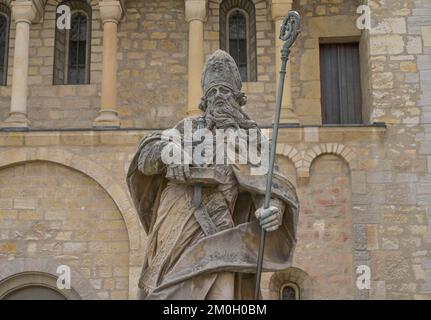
column 150, row 161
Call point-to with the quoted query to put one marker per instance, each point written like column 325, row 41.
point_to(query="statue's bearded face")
column 219, row 95
column 223, row 110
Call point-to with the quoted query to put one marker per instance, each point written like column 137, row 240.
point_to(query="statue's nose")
column 218, row 95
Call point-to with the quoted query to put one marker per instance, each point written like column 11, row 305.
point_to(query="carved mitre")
column 221, row 69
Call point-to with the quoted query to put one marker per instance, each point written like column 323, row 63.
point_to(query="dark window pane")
column 78, row 28
column 73, row 76
column 233, row 47
column 288, row 293
column 242, row 44
column 3, row 34
column 4, row 28
column 71, row 50
column 243, row 72
column 78, row 49
column 81, row 74
column 340, row 83
column 82, row 52
column 83, row 28
column 238, row 41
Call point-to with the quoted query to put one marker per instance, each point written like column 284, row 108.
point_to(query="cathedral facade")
column 83, row 81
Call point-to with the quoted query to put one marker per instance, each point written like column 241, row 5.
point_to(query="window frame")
column 226, row 7
column 346, row 40
column 88, row 14
column 292, row 285
column 5, row 11
column 247, row 36
column 87, row 49
column 21, row 280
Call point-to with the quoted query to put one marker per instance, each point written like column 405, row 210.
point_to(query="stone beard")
column 208, row 251
column 223, row 109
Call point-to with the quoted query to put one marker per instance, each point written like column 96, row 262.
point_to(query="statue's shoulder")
column 157, row 135
column 188, row 121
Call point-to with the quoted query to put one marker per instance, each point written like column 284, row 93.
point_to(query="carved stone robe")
column 186, row 260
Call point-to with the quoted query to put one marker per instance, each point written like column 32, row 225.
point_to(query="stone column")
column 196, row 13
column 279, row 10
column 110, row 14
column 23, row 13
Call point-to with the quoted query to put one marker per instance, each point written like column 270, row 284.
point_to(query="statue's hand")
column 270, row 219
column 179, row 172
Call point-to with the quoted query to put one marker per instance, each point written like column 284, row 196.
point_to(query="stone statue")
column 203, row 229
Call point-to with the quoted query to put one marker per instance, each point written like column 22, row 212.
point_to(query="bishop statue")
column 204, row 221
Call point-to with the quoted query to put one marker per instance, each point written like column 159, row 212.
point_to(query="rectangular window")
column 340, row 83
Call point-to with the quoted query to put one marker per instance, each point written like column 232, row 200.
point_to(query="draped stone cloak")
column 182, row 261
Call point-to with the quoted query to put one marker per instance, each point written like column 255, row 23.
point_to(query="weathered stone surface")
column 426, row 33
column 390, row 26
column 383, row 80
column 388, row 190
column 387, row 44
column 73, row 223
column 414, row 45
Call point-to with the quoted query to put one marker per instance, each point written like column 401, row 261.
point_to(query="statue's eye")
column 224, row 90
column 212, row 92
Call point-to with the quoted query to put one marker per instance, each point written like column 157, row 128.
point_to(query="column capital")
column 280, row 8
column 26, row 11
column 196, row 10
column 110, row 11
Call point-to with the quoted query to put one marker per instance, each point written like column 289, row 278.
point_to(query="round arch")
column 90, row 168
column 290, row 276
column 291, row 153
column 249, row 10
column 25, row 272
column 345, row 153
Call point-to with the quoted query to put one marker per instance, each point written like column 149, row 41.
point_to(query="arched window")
column 238, row 35
column 34, row 285
column 33, row 292
column 72, row 46
column 290, row 291
column 4, row 42
column 290, row 284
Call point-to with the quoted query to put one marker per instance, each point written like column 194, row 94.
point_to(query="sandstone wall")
column 64, row 200
column 400, row 77
column 49, row 210
column 323, row 181
column 153, row 64
column 325, row 229
column 320, row 20
column 152, row 69
column 365, row 191
column 59, row 106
